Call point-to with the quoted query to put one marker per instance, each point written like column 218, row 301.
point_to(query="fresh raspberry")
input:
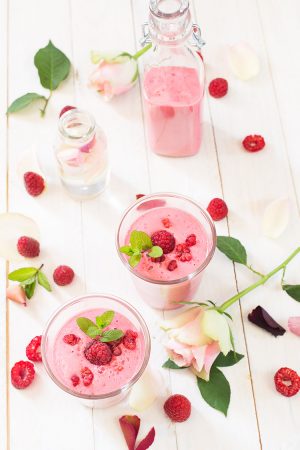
column 34, row 183
column 218, row 87
column 172, row 265
column 139, row 196
column 178, row 408
column 63, row 275
column 185, row 257
column 28, row 247
column 164, row 239
column 75, row 380
column 87, row 376
column 117, row 351
column 217, row 209
column 22, row 374
column 129, row 339
column 71, row 339
column 65, row 109
column 253, row 143
column 98, row 353
column 166, row 222
column 159, row 259
column 33, row 351
column 167, row 111
column 191, row 240
column 287, row 382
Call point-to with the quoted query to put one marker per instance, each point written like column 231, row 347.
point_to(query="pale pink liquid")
column 173, row 103
column 67, row 360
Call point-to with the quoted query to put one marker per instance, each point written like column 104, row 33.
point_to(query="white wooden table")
column 82, row 234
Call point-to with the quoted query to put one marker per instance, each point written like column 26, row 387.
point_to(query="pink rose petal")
column 294, row 325
column 17, row 294
column 87, row 147
column 130, row 426
column 180, row 353
column 147, row 441
column 211, row 353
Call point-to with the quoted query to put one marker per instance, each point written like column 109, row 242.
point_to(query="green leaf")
column 43, row 281
column 111, row 335
column 93, row 331
column 140, row 240
column 105, row 319
column 84, row 324
column 29, row 289
column 155, row 252
column 230, row 359
column 169, row 364
column 24, row 101
column 216, row 391
column 293, row 290
column 134, row 260
column 28, row 281
column 53, row 66
column 232, row 248
column 227, row 315
column 126, row 249
column 22, row 274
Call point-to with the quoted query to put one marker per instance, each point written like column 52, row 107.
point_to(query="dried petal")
column 243, row 61
column 147, row 441
column 262, row 319
column 294, row 325
column 130, row 426
column 276, row 218
column 17, row 294
column 12, row 226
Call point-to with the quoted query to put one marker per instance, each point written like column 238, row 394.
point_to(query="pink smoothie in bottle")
column 190, row 249
column 173, row 102
column 69, row 363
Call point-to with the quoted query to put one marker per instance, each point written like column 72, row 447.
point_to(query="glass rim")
column 186, row 277
column 154, row 9
column 67, row 116
column 125, row 387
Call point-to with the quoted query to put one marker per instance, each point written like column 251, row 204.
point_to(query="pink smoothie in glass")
column 180, row 224
column 173, row 101
column 68, row 360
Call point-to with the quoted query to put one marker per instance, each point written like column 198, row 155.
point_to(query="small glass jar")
column 79, row 307
column 81, row 154
column 161, row 294
column 173, row 80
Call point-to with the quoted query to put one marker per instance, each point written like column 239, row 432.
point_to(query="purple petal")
column 262, row 319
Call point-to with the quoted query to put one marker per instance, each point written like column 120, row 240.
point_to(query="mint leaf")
column 230, row 359
column 156, row 252
column 126, row 249
column 24, row 101
column 105, row 319
column 232, row 248
column 22, row 274
column 140, row 240
column 28, row 281
column 111, row 335
column 93, row 331
column 29, row 289
column 169, row 364
column 43, row 281
column 53, row 66
column 216, row 391
column 84, row 324
column 293, row 290
column 134, row 260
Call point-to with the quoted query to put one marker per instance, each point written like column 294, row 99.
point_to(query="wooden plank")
column 250, row 182
column 42, row 417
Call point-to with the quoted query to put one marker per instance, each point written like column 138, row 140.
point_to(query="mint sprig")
column 53, row 67
column 97, row 329
column 139, row 243
column 28, row 278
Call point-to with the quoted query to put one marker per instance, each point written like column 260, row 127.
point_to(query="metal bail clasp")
column 196, row 39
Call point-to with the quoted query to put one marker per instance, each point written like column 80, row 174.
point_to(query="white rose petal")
column 276, row 218
column 243, row 61
column 144, row 391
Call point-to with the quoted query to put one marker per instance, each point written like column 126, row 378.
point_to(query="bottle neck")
column 169, row 22
column 76, row 127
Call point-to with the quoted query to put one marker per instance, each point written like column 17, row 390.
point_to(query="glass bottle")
column 81, row 154
column 173, row 80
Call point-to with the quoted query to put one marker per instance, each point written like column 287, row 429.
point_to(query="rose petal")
column 294, row 325
column 17, row 294
column 144, row 391
column 276, row 218
column 211, row 353
column 147, row 441
column 180, row 319
column 191, row 333
column 216, row 327
column 179, row 353
column 260, row 317
column 243, row 61
column 13, row 226
column 199, row 355
column 130, row 426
